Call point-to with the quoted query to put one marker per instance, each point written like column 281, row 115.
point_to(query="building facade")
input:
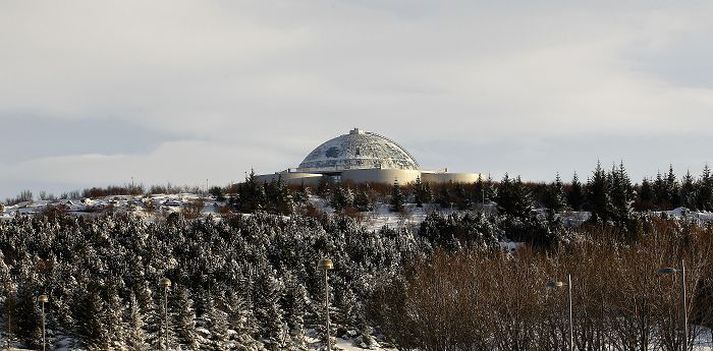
column 363, row 157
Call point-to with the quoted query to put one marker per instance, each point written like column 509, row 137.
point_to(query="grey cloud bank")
column 182, row 91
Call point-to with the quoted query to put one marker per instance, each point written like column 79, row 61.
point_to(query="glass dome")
column 358, row 150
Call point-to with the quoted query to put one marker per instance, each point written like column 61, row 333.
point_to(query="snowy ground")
column 162, row 204
column 143, row 205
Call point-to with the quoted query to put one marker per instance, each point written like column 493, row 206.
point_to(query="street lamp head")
column 667, row 270
column 326, row 264
column 555, row 285
column 43, row 298
column 165, row 283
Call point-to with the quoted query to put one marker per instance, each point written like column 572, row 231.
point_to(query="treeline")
column 481, row 299
column 609, row 195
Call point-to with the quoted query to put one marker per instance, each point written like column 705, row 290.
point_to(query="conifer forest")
column 486, row 269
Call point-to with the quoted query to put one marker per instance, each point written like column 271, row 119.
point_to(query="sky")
column 95, row 92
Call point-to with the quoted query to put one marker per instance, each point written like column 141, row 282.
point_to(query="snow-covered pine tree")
column 133, row 319
column 295, row 301
column 218, row 327
column 112, row 318
column 151, row 313
column 89, row 316
column 27, row 315
column 184, row 318
column 362, row 202
column 242, row 321
column 266, row 297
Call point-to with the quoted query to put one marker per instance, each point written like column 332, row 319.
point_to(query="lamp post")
column 327, row 265
column 557, row 285
column 673, row 271
column 165, row 283
column 43, row 299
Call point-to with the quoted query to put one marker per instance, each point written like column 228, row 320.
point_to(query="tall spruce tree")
column 397, row 198
column 575, row 196
column 622, row 193
column 673, row 188
column 598, row 195
column 266, row 298
column 554, row 197
column 661, row 193
column 134, row 320
column 27, row 316
column 646, row 195
column 514, row 198
column 184, row 320
column 422, row 193
column 687, row 192
column 705, row 190
column 295, row 301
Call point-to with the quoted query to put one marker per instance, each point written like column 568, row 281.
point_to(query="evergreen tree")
column 295, row 301
column 184, row 318
column 490, row 190
column 277, row 197
column 28, row 316
column 301, row 194
column 242, row 320
column 422, row 193
column 397, row 198
column 342, row 197
column 217, row 192
column 362, row 202
column 514, row 198
column 673, row 188
column 554, row 197
column 661, row 193
column 622, row 193
column 705, row 190
column 266, row 297
column 646, row 195
column 575, row 196
column 89, row 315
column 598, row 195
column 688, row 194
column 444, row 198
column 112, row 318
column 134, row 320
column 251, row 195
column 218, row 327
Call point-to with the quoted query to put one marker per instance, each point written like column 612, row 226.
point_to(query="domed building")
column 363, row 157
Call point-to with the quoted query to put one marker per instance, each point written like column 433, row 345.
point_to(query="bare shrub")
column 490, row 300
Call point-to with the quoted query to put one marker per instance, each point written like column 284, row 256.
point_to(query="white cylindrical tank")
column 443, row 178
column 384, row 176
column 290, row 178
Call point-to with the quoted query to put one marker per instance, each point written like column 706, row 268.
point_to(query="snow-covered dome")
column 358, row 150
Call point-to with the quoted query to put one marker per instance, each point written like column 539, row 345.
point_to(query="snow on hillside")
column 164, row 204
